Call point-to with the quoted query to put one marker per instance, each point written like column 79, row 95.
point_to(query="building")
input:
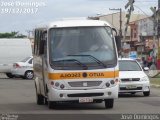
column 142, row 35
column 114, row 20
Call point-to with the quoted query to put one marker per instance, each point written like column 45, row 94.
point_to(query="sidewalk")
column 155, row 82
column 2, row 75
column 154, row 85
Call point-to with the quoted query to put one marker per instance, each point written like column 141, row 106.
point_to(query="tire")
column 29, row 75
column 46, row 98
column 23, row 77
column 51, row 104
column 40, row 99
column 133, row 93
column 146, row 93
column 9, row 75
column 109, row 103
column 45, row 101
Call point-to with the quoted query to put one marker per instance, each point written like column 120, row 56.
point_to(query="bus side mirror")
column 118, row 42
column 41, row 48
column 117, row 39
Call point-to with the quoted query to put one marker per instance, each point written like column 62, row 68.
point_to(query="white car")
column 13, row 50
column 24, row 68
column 132, row 77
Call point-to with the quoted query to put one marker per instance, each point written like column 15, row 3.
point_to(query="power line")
column 140, row 9
column 121, row 1
column 146, row 1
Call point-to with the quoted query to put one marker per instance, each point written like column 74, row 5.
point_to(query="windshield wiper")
column 73, row 60
column 98, row 61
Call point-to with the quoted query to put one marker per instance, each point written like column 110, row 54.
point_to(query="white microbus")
column 76, row 61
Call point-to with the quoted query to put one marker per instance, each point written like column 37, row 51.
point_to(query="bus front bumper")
column 74, row 95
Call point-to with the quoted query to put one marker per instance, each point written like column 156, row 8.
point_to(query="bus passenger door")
column 45, row 69
column 44, row 64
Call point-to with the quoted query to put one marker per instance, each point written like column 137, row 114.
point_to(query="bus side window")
column 41, row 42
column 45, row 44
column 37, row 41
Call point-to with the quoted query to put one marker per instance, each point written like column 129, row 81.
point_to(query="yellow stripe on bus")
column 82, row 75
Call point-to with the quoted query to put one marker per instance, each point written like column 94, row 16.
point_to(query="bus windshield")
column 73, row 48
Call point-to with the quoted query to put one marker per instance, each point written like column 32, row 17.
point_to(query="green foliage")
column 155, row 80
column 12, row 35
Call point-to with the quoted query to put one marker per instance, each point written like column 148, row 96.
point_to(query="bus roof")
column 74, row 23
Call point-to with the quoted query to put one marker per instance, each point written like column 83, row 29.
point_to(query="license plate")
column 131, row 87
column 85, row 100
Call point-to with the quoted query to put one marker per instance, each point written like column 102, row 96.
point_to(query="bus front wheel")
column 51, row 104
column 40, row 99
column 109, row 103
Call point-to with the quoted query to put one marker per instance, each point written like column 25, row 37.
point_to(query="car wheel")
column 51, row 104
column 109, row 103
column 29, row 75
column 146, row 93
column 9, row 75
column 23, row 77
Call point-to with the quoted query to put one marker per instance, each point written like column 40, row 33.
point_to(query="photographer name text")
column 140, row 117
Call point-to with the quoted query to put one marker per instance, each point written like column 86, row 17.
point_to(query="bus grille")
column 85, row 83
column 85, row 94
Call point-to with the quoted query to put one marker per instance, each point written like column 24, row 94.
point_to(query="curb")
column 156, row 86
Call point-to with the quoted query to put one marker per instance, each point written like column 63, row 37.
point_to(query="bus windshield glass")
column 74, row 48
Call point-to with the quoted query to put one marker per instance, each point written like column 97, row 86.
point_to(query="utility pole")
column 130, row 3
column 154, row 30
column 120, row 20
column 153, row 67
column 158, row 37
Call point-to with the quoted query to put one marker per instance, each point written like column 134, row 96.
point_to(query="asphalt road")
column 17, row 96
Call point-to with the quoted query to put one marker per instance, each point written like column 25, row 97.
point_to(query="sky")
column 25, row 15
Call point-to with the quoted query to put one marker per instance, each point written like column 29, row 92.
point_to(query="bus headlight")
column 57, row 84
column 112, row 82
column 52, row 83
column 117, row 81
column 107, row 84
column 62, row 86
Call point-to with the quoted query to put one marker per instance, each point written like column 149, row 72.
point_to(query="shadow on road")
column 128, row 95
column 77, row 106
column 26, row 107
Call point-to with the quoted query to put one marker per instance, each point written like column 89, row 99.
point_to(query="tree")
column 13, row 34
